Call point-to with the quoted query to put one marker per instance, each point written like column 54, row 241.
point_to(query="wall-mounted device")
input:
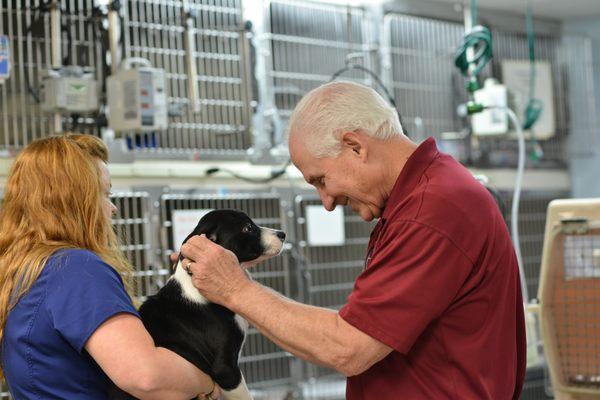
column 137, row 100
column 493, row 121
column 517, row 76
column 69, row 90
column 4, row 58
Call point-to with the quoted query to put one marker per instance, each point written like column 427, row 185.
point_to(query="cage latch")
column 574, row 226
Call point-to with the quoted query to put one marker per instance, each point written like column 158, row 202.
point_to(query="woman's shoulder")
column 75, row 252
column 78, row 261
column 73, row 256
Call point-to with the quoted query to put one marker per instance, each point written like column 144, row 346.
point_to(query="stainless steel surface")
column 155, row 30
column 21, row 119
column 329, row 272
column 306, row 42
column 580, row 101
column 190, row 59
column 56, row 46
column 300, row 44
column 554, row 9
column 133, row 226
column 418, row 64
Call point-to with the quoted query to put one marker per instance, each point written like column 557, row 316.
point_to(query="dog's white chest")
column 190, row 292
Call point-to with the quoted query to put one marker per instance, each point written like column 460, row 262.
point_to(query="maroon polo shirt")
column 441, row 288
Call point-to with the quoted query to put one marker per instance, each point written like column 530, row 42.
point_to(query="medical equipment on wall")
column 57, row 28
column 519, row 79
column 492, row 121
column 68, row 90
column 569, row 298
column 4, row 58
column 473, row 54
column 137, row 100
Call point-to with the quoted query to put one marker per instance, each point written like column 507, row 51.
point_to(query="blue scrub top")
column 42, row 351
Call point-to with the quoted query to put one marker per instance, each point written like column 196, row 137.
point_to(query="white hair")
column 326, row 112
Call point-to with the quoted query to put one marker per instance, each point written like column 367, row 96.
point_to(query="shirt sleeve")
column 82, row 293
column 413, row 276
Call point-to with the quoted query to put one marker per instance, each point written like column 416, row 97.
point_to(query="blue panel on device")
column 4, row 57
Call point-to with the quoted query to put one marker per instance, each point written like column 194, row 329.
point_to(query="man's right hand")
column 215, row 395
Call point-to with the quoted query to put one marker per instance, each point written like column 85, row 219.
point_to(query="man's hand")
column 216, row 272
column 215, row 395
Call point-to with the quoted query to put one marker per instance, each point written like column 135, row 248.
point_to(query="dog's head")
column 235, row 231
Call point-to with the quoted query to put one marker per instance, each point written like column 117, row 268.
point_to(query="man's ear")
column 354, row 142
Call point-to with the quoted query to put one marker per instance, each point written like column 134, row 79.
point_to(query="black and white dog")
column 208, row 335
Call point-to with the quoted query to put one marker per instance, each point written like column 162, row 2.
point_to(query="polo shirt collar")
column 411, row 174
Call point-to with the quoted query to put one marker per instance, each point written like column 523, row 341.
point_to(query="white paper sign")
column 325, row 228
column 184, row 222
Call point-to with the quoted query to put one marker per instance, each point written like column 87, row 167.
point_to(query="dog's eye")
column 247, row 228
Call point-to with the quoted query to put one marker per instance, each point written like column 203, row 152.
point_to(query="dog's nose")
column 281, row 235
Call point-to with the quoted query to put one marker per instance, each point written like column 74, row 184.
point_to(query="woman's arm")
column 125, row 351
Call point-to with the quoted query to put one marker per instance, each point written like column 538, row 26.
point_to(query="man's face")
column 341, row 180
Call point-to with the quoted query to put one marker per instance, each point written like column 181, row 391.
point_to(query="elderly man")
column 437, row 312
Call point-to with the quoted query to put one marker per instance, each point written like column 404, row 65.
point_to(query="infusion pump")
column 137, row 100
column 70, row 89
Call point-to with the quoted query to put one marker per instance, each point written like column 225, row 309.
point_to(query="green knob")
column 472, row 85
column 473, row 107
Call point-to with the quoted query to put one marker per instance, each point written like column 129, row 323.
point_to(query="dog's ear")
column 206, row 227
column 210, row 230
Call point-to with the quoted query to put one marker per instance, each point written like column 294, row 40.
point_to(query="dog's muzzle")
column 272, row 241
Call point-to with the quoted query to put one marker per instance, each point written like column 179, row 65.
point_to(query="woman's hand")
column 215, row 271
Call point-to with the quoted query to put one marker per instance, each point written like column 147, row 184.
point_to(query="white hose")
column 514, row 216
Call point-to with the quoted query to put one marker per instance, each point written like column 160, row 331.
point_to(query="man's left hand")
column 216, row 272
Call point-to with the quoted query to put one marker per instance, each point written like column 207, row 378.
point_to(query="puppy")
column 208, row 335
